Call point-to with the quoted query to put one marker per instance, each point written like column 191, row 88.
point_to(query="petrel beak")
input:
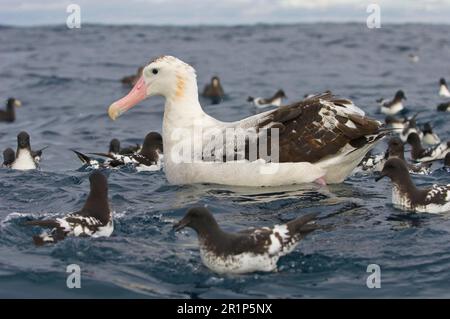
column 17, row 103
column 379, row 177
column 136, row 95
column 180, row 225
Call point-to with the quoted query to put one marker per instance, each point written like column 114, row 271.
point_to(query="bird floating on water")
column 393, row 106
column 9, row 115
column 24, row 158
column 214, row 90
column 255, row 249
column 320, row 139
column 443, row 88
column 275, row 100
column 95, row 219
column 405, row 194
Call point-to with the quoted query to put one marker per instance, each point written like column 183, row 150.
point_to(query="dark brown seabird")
column 9, row 115
column 256, row 249
column 93, row 220
column 405, row 194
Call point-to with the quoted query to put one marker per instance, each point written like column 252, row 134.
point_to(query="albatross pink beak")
column 136, row 95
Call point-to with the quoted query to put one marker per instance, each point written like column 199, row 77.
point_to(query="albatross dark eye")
column 155, row 71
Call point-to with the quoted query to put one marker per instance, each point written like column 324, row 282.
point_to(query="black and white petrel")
column 429, row 137
column 9, row 115
column 147, row 158
column 371, row 163
column 8, row 157
column 396, row 149
column 25, row 158
column 214, row 90
column 395, row 123
column 420, row 154
column 115, row 156
column 275, row 100
column 443, row 88
column 405, row 194
column 375, row 163
column 395, row 105
column 251, row 250
column 115, row 149
column 93, row 220
column 410, row 127
column 444, row 107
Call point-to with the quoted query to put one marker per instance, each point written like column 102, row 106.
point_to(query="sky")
column 220, row 12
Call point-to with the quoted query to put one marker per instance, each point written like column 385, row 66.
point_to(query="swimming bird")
column 414, row 58
column 371, row 163
column 9, row 115
column 116, row 156
column 251, row 250
column 395, row 105
column 395, row 123
column 444, row 107
column 8, row 157
column 420, row 154
column 214, row 90
column 132, row 79
column 93, row 220
column 127, row 150
column 25, row 158
column 375, row 163
column 319, row 139
column 115, row 149
column 275, row 100
column 429, row 137
column 405, row 194
column 410, row 127
column 396, row 149
column 443, row 88
column 147, row 158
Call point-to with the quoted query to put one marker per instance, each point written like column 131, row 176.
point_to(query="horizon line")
column 390, row 23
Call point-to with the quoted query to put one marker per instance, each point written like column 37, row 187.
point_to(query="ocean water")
column 66, row 79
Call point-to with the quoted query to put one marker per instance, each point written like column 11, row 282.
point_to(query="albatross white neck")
column 182, row 108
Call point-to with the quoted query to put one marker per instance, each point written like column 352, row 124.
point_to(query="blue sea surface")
column 66, row 80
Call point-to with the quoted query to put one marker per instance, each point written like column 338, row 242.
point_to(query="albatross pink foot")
column 321, row 181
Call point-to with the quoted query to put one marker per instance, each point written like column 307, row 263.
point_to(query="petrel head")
column 215, row 81
column 152, row 141
column 114, row 146
column 413, row 139
column 166, row 76
column 396, row 147
column 197, row 218
column 400, row 95
column 394, row 168
column 280, row 94
column 23, row 140
column 8, row 157
column 12, row 103
column 98, row 182
column 427, row 128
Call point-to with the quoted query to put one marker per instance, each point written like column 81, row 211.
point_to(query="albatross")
column 320, row 139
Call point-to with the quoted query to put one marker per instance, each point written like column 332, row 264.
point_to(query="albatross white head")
column 166, row 76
